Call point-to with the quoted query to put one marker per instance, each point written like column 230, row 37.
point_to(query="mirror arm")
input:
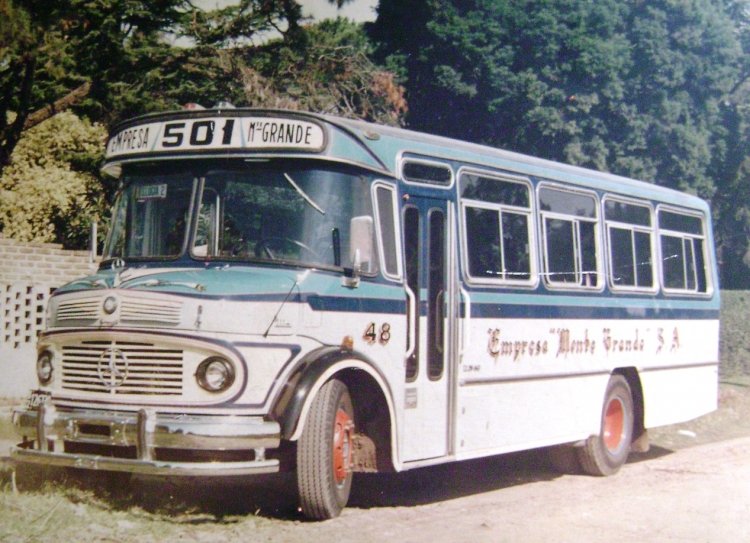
column 351, row 275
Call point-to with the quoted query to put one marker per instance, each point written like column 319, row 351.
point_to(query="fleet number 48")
column 381, row 335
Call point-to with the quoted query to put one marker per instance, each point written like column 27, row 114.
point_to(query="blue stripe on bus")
column 593, row 300
column 355, row 305
column 503, row 309
column 515, row 311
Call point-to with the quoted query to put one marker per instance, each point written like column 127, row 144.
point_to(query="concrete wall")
column 29, row 273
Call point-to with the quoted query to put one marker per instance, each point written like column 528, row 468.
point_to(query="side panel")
column 677, row 395
column 516, row 415
column 532, row 382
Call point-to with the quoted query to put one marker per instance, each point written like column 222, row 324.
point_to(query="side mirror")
column 361, row 250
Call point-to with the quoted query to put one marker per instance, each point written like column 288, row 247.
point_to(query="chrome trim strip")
column 152, row 467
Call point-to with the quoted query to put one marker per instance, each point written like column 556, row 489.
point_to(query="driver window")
column 298, row 216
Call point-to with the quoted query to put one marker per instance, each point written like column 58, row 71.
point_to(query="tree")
column 247, row 20
column 322, row 67
column 52, row 49
column 630, row 87
column 730, row 168
column 110, row 59
column 332, row 74
column 635, row 88
column 50, row 191
column 326, row 68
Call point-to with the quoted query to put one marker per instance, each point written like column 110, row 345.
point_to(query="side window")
column 629, row 239
column 425, row 172
column 682, row 243
column 569, row 226
column 385, row 201
column 497, row 228
column 412, row 235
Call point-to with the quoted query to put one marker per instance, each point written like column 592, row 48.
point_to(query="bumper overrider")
column 146, row 442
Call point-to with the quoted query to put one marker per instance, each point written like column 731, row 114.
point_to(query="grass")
column 57, row 512
column 55, row 505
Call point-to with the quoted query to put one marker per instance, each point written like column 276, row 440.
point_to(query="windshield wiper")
column 161, row 283
column 303, row 194
column 97, row 283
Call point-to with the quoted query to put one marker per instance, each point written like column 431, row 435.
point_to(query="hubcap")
column 342, row 446
column 614, row 425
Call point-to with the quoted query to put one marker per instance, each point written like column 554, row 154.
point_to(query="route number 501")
column 200, row 133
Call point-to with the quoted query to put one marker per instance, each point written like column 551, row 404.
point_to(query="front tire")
column 605, row 453
column 324, row 453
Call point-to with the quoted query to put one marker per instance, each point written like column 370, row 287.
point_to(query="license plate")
column 37, row 398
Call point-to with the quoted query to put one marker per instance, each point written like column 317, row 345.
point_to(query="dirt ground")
column 693, row 485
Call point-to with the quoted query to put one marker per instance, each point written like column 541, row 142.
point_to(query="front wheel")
column 605, row 453
column 324, row 453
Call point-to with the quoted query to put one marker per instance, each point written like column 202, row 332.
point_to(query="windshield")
column 150, row 216
column 296, row 213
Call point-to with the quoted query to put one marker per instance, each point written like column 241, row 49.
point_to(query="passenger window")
column 496, row 217
column 385, row 200
column 569, row 226
column 629, row 237
column 682, row 243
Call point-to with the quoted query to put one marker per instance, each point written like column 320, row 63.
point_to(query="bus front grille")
column 80, row 310
column 122, row 368
column 134, row 310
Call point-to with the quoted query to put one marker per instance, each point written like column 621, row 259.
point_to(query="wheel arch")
column 371, row 395
column 633, row 378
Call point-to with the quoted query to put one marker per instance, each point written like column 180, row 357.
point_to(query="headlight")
column 215, row 374
column 44, row 367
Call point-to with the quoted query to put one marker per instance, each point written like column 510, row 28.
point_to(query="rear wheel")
column 324, row 453
column 605, row 453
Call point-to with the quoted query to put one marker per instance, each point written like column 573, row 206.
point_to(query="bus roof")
column 266, row 132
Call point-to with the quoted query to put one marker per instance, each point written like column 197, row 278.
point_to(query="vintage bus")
column 289, row 291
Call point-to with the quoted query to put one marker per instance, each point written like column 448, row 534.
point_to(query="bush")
column 50, row 191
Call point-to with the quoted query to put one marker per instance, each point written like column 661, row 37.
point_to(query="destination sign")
column 217, row 133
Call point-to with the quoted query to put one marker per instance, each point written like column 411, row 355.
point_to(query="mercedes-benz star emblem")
column 112, row 368
column 109, row 305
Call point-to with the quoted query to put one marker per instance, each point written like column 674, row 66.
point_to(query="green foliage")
column 51, row 47
column 656, row 90
column 627, row 87
column 50, row 191
column 637, row 88
column 327, row 69
column 332, row 73
column 247, row 20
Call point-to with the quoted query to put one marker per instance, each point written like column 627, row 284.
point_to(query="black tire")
column 605, row 453
column 324, row 474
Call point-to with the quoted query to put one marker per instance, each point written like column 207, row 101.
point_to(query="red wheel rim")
column 342, row 446
column 614, row 424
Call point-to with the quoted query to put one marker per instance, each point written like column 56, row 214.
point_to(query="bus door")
column 428, row 241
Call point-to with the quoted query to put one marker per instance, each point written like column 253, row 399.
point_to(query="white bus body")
column 283, row 290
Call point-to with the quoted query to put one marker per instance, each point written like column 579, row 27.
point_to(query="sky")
column 357, row 10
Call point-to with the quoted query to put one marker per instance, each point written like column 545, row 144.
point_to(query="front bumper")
column 145, row 442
